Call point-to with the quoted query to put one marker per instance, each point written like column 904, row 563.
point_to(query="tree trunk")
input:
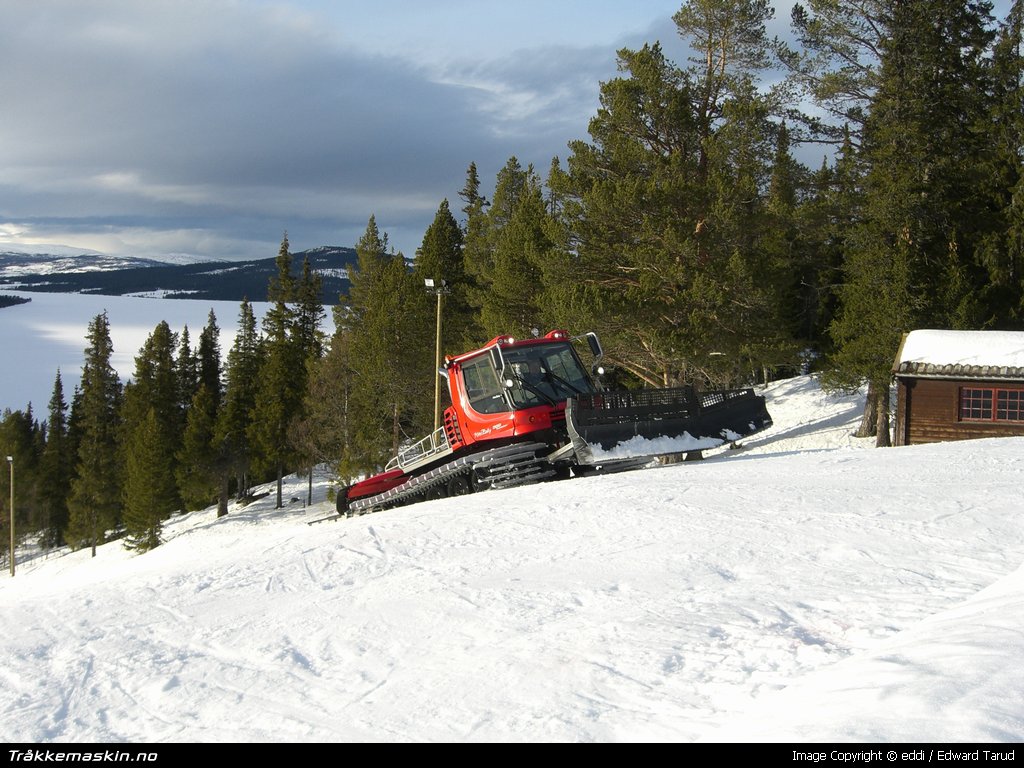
column 309, row 495
column 882, row 423
column 396, row 431
column 280, row 482
column 869, row 419
column 222, row 497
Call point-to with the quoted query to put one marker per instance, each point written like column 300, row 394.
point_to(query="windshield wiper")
column 531, row 387
column 560, row 380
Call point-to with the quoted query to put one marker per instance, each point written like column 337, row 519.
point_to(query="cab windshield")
column 541, row 374
column 544, row 374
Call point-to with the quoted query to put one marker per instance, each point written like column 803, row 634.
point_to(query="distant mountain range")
column 67, row 270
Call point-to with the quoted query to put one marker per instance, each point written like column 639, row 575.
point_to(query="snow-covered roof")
column 967, row 354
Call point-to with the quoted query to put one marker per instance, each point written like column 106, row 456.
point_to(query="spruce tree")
column 391, row 353
column 513, row 302
column 158, row 384
column 57, row 466
column 187, row 370
column 309, row 313
column 94, row 505
column 209, row 362
column 150, row 493
column 440, row 258
column 475, row 249
column 199, row 469
column 280, row 385
column 241, row 381
column 19, row 439
column 1001, row 252
column 910, row 261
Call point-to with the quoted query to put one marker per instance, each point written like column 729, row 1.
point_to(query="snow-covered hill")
column 805, row 588
column 20, row 261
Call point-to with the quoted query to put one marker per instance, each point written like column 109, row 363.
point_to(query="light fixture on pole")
column 10, row 460
column 438, row 288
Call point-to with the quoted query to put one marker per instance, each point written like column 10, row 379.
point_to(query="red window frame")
column 979, row 404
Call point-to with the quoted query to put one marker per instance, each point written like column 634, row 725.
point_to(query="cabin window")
column 482, row 386
column 990, row 404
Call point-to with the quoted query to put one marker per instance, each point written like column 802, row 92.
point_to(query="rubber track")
column 504, row 467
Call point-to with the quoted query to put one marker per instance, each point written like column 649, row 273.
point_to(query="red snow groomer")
column 525, row 410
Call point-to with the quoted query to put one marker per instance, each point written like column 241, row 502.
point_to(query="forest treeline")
column 683, row 230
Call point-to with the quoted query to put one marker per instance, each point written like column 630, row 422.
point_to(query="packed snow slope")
column 803, row 588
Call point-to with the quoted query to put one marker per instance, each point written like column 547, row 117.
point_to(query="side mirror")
column 497, row 359
column 595, row 345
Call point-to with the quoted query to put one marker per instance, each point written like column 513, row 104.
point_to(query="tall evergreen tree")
column 838, row 64
column 309, row 313
column 158, row 384
column 57, row 467
column 209, row 362
column 440, row 258
column 1001, row 252
column 94, row 506
column 391, row 351
column 236, row 416
column 911, row 261
column 666, row 207
column 513, row 302
column 280, row 386
column 200, row 467
column 19, row 439
column 475, row 249
column 187, row 370
column 150, row 493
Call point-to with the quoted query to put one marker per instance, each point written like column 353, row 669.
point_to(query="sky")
column 806, row 589
column 209, row 127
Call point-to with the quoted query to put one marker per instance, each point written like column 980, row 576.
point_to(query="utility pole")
column 10, row 460
column 438, row 288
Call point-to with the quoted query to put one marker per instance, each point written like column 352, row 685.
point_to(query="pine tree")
column 910, row 261
column 57, row 466
column 325, row 431
column 666, row 209
column 1001, row 251
column 484, row 229
column 475, row 248
column 838, row 65
column 391, row 351
column 309, row 313
column 200, row 466
column 158, row 384
column 150, row 490
column 94, row 506
column 513, row 302
column 440, row 258
column 372, row 252
column 209, row 363
column 281, row 380
column 236, row 415
column 187, row 370
column 19, row 439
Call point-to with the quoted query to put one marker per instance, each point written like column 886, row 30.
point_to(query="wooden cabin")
column 959, row 385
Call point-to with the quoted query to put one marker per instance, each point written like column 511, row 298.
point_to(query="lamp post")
column 10, row 460
column 438, row 288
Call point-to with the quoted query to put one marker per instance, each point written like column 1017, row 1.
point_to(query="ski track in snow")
column 800, row 587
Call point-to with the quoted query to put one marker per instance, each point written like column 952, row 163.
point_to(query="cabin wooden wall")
column 928, row 411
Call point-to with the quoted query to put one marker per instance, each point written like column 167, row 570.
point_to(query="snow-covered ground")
column 805, row 588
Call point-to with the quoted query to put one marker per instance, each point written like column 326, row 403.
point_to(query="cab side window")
column 482, row 386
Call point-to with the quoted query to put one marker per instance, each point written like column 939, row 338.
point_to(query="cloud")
column 206, row 111
column 222, row 123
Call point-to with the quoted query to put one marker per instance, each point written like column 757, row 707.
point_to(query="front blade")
column 614, row 425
